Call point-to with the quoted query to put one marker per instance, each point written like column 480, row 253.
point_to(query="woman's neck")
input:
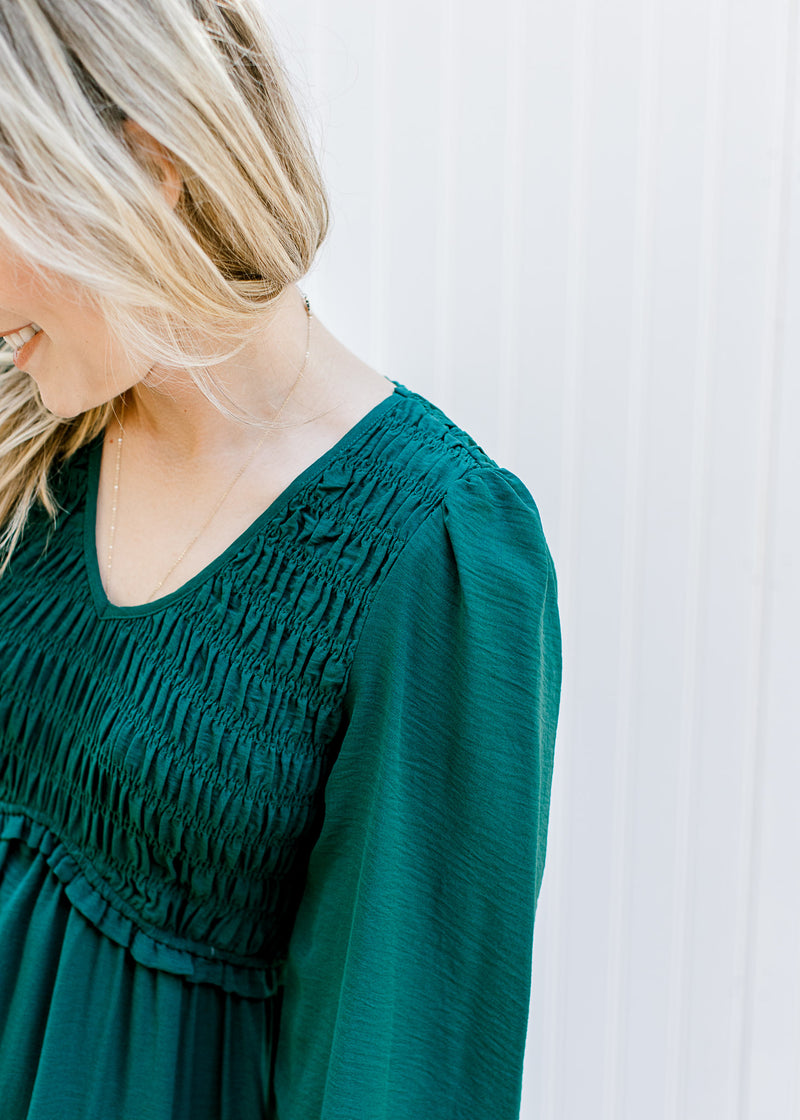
column 183, row 426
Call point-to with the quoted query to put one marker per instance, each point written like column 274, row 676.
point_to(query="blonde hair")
column 202, row 78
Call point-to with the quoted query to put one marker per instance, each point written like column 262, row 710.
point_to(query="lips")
column 24, row 352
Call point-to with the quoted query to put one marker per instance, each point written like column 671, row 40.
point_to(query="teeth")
column 19, row 338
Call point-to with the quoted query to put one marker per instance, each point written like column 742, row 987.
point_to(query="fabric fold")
column 197, row 964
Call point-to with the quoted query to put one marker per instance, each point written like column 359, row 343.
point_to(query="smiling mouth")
column 19, row 337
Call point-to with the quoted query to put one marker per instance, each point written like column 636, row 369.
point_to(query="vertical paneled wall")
column 574, row 226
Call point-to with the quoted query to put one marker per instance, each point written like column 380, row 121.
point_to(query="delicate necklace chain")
column 227, row 492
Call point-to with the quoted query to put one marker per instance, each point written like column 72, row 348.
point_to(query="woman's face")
column 75, row 354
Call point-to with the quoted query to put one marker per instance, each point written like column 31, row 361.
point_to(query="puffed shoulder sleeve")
column 408, row 977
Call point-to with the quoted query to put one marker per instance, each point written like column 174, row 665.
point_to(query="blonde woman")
column 280, row 654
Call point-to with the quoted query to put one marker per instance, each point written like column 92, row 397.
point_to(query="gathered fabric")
column 271, row 845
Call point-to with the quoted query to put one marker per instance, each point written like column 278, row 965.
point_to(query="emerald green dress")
column 271, row 845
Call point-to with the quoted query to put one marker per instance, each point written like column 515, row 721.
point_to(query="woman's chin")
column 62, row 412
column 64, row 406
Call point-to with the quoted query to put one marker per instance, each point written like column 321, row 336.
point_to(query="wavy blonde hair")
column 203, row 79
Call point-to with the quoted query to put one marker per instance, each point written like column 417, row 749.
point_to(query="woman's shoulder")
column 468, row 570
column 410, row 493
column 412, row 457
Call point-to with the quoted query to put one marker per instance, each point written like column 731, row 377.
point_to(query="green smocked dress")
column 271, row 845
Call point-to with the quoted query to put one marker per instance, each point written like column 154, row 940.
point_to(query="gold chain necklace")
column 214, row 512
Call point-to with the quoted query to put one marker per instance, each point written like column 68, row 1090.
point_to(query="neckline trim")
column 103, row 605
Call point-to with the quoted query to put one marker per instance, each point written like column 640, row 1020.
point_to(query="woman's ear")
column 155, row 157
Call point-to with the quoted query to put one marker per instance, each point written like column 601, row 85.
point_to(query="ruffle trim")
column 156, row 950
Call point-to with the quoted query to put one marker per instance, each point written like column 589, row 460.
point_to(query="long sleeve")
column 407, row 983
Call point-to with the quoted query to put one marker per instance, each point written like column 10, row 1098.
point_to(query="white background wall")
column 574, row 226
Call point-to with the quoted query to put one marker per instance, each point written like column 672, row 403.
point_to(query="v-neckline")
column 103, row 605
